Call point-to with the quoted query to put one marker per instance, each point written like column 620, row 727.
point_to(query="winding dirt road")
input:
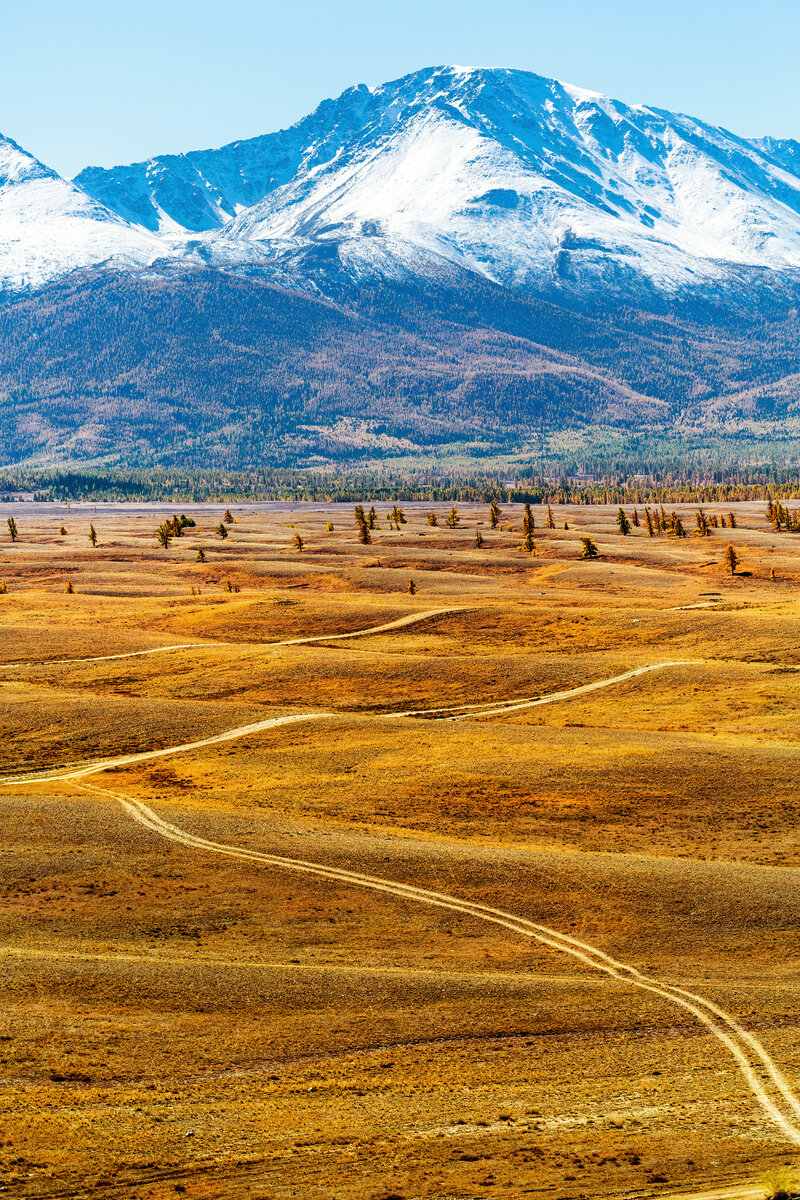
column 765, row 1080
column 400, row 623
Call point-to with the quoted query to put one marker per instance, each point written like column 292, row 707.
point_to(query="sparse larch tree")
column 495, row 513
column 201, row 555
column 478, row 538
column 453, row 518
column 69, row 589
column 372, row 517
column 528, row 522
column 329, row 526
column 635, row 518
column 93, row 535
column 550, row 523
column 228, row 517
column 623, row 524
column 703, row 528
column 3, row 588
column 528, row 544
column 731, row 560
column 222, row 530
column 732, row 520
column 164, row 534
column 63, row 531
column 433, row 520
column 13, row 532
column 648, row 521
column 412, row 588
column 298, row 542
column 589, row 548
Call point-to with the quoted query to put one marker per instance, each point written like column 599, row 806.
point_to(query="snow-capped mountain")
column 50, row 227
column 531, row 184
column 528, row 182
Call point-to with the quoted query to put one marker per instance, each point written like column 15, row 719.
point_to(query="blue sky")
column 91, row 82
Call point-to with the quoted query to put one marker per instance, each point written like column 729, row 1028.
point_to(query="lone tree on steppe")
column 623, row 524
column 732, row 520
column 222, row 530
column 495, row 513
column 228, row 517
column 362, row 524
column 13, row 532
column 528, row 523
column 478, row 538
column 201, row 555
column 412, row 588
column 703, row 528
column 453, row 518
column 69, row 589
column 731, row 560
column 588, row 548
column 3, row 588
column 550, row 522
column 93, row 535
column 298, row 542
column 433, row 520
column 164, row 534
column 63, row 531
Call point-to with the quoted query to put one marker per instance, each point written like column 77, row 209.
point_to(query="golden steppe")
column 177, row 1020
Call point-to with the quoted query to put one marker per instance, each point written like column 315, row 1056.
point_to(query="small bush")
column 782, row 1183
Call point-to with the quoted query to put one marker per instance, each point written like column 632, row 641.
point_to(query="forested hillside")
column 203, row 368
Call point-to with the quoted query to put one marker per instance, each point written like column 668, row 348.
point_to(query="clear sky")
column 110, row 81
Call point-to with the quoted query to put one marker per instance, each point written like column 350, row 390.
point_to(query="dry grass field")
column 185, row 1015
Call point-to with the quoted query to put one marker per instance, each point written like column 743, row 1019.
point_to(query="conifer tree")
column 297, row 542
column 228, row 517
column 364, row 535
column 623, row 524
column 222, row 530
column 432, row 520
column 329, row 526
column 635, row 519
column 528, row 543
column 201, row 555
column 701, row 520
column 92, row 535
column 63, row 531
column 372, row 517
column 495, row 513
column 13, row 532
column 3, row 588
column 648, row 520
column 412, row 588
column 731, row 560
column 164, row 535
column 732, row 520
column 550, row 521
column 678, row 528
column 69, row 589
column 478, row 538
column 589, row 548
column 453, row 518
column 528, row 522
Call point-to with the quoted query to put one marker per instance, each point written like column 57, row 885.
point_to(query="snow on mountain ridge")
column 532, row 183
column 49, row 227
